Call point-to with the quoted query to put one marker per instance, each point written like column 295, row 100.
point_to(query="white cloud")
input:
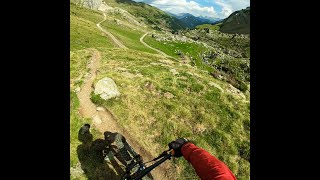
column 226, row 9
column 229, row 6
column 192, row 7
column 239, row 4
column 183, row 6
column 225, row 12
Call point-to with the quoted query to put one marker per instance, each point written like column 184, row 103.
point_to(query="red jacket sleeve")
column 206, row 166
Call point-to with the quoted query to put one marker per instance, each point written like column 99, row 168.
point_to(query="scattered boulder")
column 87, row 75
column 216, row 86
column 139, row 75
column 174, row 71
column 165, row 61
column 150, row 86
column 199, row 128
column 100, row 109
column 76, row 171
column 121, row 69
column 216, row 74
column 235, row 91
column 178, row 52
column 168, row 95
column 232, row 89
column 78, row 89
column 106, row 88
column 117, row 21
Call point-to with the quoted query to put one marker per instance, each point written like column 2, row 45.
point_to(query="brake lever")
column 161, row 155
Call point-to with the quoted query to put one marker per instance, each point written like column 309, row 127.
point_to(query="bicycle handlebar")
column 141, row 173
column 150, row 168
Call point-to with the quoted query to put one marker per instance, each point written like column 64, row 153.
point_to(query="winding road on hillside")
column 103, row 120
column 118, row 43
column 160, row 52
column 115, row 40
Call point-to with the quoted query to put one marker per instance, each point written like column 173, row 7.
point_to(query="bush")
column 215, row 74
column 242, row 86
column 244, row 150
column 95, row 98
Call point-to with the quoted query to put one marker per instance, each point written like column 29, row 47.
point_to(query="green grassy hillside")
column 129, row 37
column 148, row 14
column 216, row 121
column 223, row 55
column 238, row 22
column 178, row 49
column 83, row 30
column 209, row 26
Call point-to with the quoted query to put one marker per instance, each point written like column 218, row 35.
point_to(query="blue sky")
column 210, row 8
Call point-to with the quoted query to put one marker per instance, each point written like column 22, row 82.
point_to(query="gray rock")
column 78, row 89
column 100, row 109
column 173, row 71
column 76, row 171
column 139, row 75
column 87, row 75
column 121, row 69
column 106, row 88
column 168, row 95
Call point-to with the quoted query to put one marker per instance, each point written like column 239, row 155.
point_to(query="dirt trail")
column 160, row 52
column 103, row 120
column 115, row 40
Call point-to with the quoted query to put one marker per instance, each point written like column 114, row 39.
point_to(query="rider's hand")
column 176, row 146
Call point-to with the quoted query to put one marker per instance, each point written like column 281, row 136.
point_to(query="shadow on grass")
column 91, row 156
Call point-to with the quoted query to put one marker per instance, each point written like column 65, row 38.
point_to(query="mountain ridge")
column 238, row 22
column 191, row 21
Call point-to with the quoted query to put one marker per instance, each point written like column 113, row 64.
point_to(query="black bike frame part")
column 150, row 168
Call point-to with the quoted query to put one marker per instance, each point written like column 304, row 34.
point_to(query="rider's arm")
column 206, row 165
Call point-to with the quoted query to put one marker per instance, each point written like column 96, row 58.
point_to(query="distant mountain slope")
column 153, row 16
column 238, row 22
column 192, row 21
